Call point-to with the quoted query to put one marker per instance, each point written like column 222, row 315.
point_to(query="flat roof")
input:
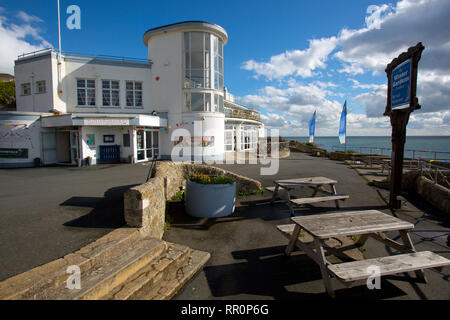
column 89, row 57
column 186, row 24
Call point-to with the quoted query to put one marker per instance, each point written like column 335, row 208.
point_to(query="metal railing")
column 437, row 174
column 241, row 114
column 86, row 55
column 412, row 154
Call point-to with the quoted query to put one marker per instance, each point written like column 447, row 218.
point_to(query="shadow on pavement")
column 267, row 272
column 107, row 212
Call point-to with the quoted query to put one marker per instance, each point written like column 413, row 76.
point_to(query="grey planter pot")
column 210, row 200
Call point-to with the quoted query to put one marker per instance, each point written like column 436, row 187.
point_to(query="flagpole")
column 59, row 34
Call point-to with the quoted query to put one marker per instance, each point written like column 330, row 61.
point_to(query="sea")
column 425, row 147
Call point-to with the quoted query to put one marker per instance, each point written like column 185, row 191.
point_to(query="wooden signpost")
column 401, row 101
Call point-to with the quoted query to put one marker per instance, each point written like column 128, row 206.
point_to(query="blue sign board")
column 401, row 85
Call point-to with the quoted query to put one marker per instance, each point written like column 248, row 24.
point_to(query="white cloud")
column 433, row 93
column 17, row 39
column 389, row 29
column 402, row 26
column 28, row 18
column 295, row 62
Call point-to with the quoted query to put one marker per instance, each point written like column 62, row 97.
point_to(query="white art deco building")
column 110, row 109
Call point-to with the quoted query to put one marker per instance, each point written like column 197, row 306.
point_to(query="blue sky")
column 288, row 58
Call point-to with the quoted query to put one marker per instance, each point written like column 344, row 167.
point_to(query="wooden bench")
column 360, row 270
column 309, row 200
column 333, row 197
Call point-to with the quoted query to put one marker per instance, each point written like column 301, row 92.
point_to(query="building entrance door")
column 48, row 147
column 74, row 146
column 147, row 141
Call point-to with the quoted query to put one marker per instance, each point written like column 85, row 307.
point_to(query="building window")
column 198, row 60
column 249, row 136
column 26, row 89
column 218, row 64
column 85, row 92
column 230, row 138
column 110, row 89
column 40, row 86
column 126, row 140
column 218, row 103
column 187, row 101
column 134, row 94
column 197, row 101
column 108, row 138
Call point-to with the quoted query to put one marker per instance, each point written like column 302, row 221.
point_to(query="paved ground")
column 46, row 213
column 247, row 260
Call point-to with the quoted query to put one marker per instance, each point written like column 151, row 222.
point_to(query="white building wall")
column 166, row 53
column 20, row 132
column 82, row 69
column 58, row 92
column 29, row 71
column 94, row 150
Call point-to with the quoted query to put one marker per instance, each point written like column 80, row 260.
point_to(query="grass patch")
column 167, row 221
column 355, row 239
column 249, row 193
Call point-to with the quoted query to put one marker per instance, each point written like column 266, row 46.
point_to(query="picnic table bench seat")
column 359, row 270
column 309, row 200
column 283, row 194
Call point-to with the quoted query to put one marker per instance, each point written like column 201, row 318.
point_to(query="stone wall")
column 434, row 193
column 340, row 156
column 313, row 150
column 145, row 205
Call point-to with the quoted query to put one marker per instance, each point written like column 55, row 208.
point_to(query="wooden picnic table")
column 368, row 223
column 313, row 182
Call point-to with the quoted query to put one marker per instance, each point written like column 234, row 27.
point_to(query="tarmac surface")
column 247, row 251
column 46, row 213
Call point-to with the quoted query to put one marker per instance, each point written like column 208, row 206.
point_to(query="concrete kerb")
column 145, row 205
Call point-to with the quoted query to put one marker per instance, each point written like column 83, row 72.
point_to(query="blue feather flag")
column 312, row 127
column 343, row 124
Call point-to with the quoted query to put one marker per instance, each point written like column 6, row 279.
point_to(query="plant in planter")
column 176, row 203
column 210, row 196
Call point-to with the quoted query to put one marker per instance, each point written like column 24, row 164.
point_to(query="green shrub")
column 7, row 93
column 205, row 179
column 177, row 196
column 311, row 144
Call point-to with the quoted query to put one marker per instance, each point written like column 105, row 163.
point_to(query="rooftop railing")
column 241, row 114
column 85, row 55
